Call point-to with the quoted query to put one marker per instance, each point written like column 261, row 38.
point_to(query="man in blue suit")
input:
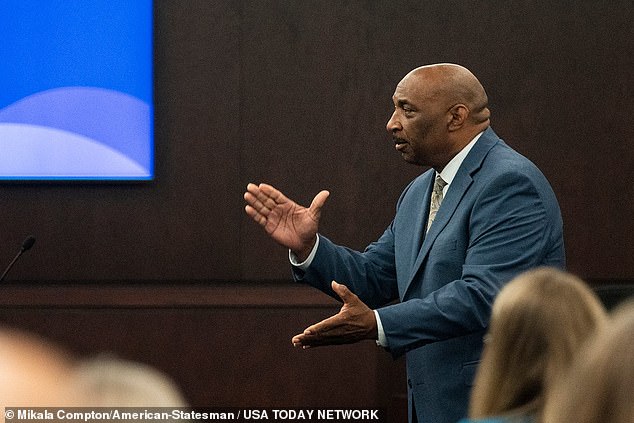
column 482, row 214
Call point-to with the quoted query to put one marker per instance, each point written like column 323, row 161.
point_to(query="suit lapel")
column 455, row 193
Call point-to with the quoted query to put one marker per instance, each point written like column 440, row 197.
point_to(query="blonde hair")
column 600, row 384
column 108, row 381
column 538, row 322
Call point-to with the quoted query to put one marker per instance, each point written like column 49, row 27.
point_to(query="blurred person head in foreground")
column 600, row 384
column 108, row 381
column 538, row 323
column 34, row 372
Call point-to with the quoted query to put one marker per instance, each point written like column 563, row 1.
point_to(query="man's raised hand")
column 291, row 225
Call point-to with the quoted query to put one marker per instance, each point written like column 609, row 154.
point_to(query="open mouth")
column 399, row 143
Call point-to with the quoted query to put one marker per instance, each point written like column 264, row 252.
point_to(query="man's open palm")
column 291, row 225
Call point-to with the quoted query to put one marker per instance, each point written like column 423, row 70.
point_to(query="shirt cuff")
column 306, row 263
column 382, row 339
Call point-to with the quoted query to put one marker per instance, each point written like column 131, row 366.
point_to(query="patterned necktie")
column 436, row 199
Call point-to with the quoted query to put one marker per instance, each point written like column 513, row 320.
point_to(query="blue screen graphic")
column 76, row 90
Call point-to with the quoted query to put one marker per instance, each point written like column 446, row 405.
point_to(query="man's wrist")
column 305, row 253
column 304, row 264
column 381, row 339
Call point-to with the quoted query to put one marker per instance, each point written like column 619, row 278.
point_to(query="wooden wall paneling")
column 223, row 350
column 261, row 91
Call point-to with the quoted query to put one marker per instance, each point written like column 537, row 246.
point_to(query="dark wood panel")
column 219, row 357
column 261, row 91
column 557, row 88
column 152, row 294
column 297, row 94
column 225, row 345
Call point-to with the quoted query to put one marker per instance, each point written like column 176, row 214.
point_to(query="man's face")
column 419, row 122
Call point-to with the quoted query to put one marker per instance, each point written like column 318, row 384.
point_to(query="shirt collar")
column 450, row 170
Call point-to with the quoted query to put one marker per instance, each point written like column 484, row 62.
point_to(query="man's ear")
column 457, row 116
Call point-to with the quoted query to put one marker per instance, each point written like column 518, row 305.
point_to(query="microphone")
column 26, row 245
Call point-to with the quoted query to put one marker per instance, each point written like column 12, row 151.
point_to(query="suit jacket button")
column 409, row 383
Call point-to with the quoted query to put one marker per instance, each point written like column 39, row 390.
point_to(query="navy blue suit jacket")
column 498, row 218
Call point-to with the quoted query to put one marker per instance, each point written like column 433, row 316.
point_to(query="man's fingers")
column 262, row 198
column 310, row 333
column 259, row 218
column 319, row 201
column 306, row 341
column 265, row 197
column 297, row 341
column 271, row 196
column 315, row 340
column 327, row 328
column 256, row 204
column 254, row 197
column 301, row 341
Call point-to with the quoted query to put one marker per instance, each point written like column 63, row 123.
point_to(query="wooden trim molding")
column 162, row 295
column 197, row 294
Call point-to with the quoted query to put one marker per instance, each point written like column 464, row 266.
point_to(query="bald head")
column 438, row 110
column 454, row 84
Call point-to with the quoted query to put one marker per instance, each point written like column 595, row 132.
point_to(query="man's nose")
column 393, row 124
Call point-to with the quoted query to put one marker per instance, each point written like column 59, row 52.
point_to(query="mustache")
column 398, row 140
